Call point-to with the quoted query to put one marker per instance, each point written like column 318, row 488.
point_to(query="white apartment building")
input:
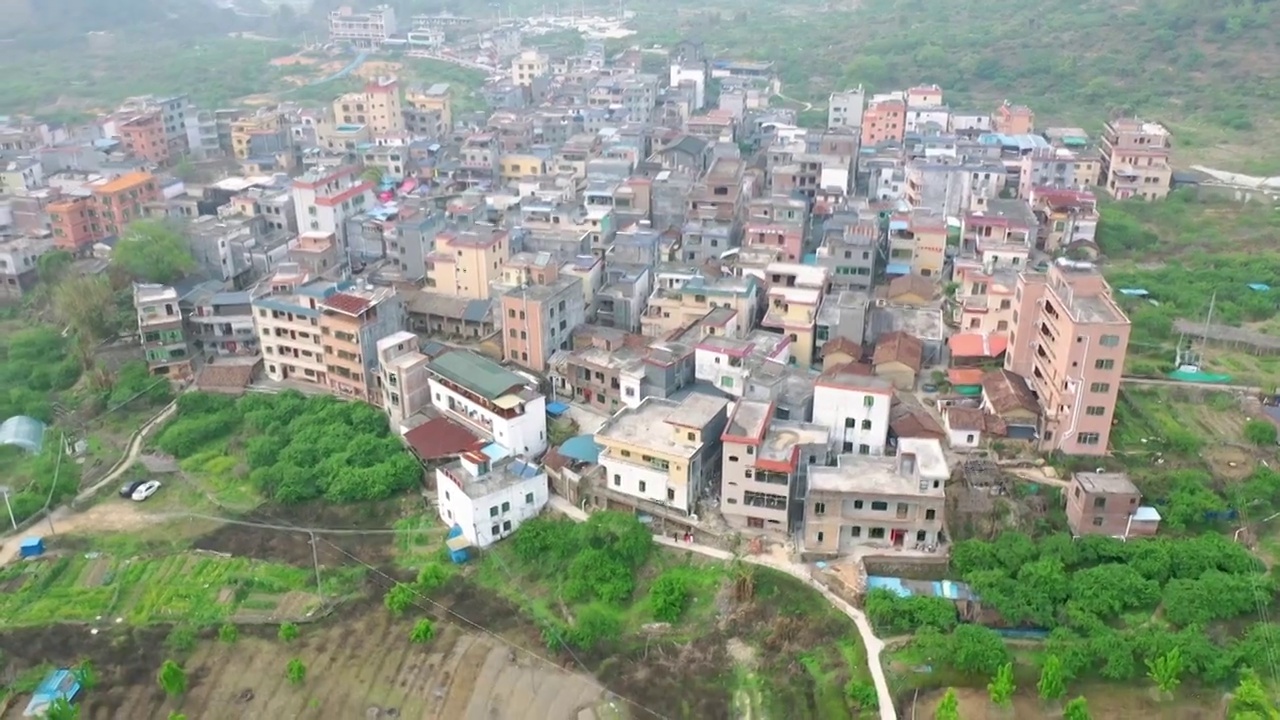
column 491, row 400
column 856, row 409
column 326, row 197
column 528, row 65
column 402, row 371
column 489, row 500
column 363, row 29
column 844, row 109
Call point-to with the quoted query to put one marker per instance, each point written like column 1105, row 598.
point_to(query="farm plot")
column 366, row 667
column 1186, row 425
column 185, row 587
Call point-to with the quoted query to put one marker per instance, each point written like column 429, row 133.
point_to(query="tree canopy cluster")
column 591, row 566
column 34, row 364
column 297, row 448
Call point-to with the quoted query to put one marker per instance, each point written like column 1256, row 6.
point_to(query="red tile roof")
column 977, row 345
column 441, row 438
column 844, row 345
column 350, row 304
column 965, row 376
column 900, row 347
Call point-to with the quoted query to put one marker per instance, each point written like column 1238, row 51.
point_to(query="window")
column 617, row 480
column 528, row 498
column 493, row 511
column 693, row 437
column 850, row 423
column 876, row 533
column 820, row 536
column 855, row 531
column 879, row 505
column 494, row 531
column 930, row 514
column 1100, row 387
column 869, row 401
column 864, row 449
column 506, row 507
column 1095, row 410
column 626, row 453
column 819, row 508
column 857, row 504
column 866, row 424
column 506, row 526
column 1109, row 341
column 1099, row 503
column 1097, row 521
column 671, row 494
column 1104, row 364
column 642, row 486
column 1087, row 438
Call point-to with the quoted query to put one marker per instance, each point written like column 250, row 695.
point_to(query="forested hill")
column 38, row 24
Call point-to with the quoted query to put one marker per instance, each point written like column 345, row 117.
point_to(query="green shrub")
column 288, row 632
column 669, row 595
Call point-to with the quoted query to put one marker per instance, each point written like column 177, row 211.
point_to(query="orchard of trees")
column 1097, row 597
column 297, row 448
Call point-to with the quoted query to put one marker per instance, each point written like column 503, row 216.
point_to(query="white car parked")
column 146, row 490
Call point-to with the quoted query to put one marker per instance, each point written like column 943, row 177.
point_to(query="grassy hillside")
column 1208, row 69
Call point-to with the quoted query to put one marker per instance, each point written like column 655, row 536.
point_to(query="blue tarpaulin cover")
column 556, row 409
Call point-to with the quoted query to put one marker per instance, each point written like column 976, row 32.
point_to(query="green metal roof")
column 476, row 373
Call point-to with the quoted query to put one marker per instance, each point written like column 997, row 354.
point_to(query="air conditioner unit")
column 881, row 302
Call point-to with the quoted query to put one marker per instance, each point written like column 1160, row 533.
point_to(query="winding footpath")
column 67, row 520
column 872, row 643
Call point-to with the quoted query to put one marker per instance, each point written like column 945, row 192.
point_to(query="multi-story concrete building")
column 221, row 322
column 1069, row 344
column 489, row 499
column 664, row 452
column 369, row 29
column 793, row 313
column 402, row 377
column 143, row 137
column 540, row 311
column 326, row 198
column 765, row 466
column 679, row 304
column 377, row 106
column 161, row 330
column 893, row 502
column 1135, row 160
column 1102, row 503
column 1011, row 119
column 1067, row 219
column 527, row 66
column 855, row 408
column 844, row 110
column 287, row 318
column 1057, row 167
column 19, row 263
column 352, row 321
column 465, row 263
column 80, row 221
column 491, row 400
column 854, row 250
column 429, row 113
column 918, row 239
column 884, row 120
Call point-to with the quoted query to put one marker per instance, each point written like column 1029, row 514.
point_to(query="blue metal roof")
column 556, row 409
column 476, row 310
column 525, row 469
column 495, row 452
column 582, row 448
column 57, row 684
column 897, row 269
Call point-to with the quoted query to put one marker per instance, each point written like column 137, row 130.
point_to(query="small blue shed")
column 31, row 547
column 59, row 684
column 458, row 545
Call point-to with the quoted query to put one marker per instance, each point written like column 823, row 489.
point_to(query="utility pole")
column 4, row 490
column 315, row 559
column 57, row 467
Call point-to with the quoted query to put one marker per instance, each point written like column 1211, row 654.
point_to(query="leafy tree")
column 172, row 679
column 596, row 623
column 1053, row 681
column 86, row 675
column 1001, row 687
column 1260, row 432
column 668, row 595
column 399, row 598
column 1077, row 709
column 1166, row 670
column 596, row 573
column 53, row 266
column 432, row 576
column 625, row 537
column 181, row 639
column 546, row 543
column 949, row 707
column 295, row 672
column 1106, row 591
column 862, row 695
column 1214, row 596
column 150, row 251
column 892, row 613
column 228, row 633
column 288, row 632
column 62, row 709
column 423, row 632
column 1251, row 701
column 977, row 650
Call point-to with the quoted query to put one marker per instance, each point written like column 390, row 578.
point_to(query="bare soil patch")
column 1114, row 702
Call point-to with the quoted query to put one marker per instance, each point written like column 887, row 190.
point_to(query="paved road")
column 800, row 572
column 1179, row 383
